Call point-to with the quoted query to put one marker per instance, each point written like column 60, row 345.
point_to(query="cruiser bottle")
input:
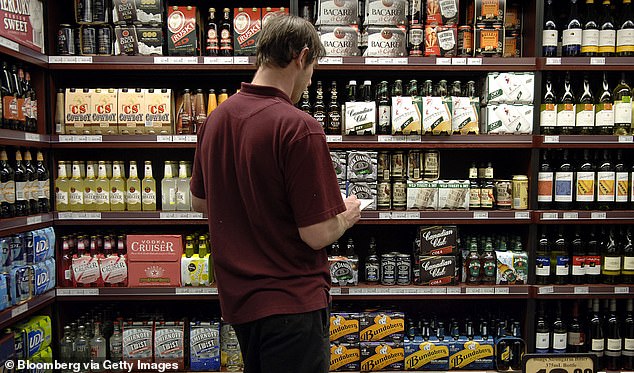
column 578, row 253
column 117, row 188
column 212, row 46
column 334, row 112
column 102, row 188
column 319, row 110
column 21, row 180
column 566, row 109
column 168, row 188
column 585, row 183
column 627, row 271
column 572, row 33
column 611, row 266
column 604, row 110
column 621, row 185
column 133, row 189
column 585, row 109
column 605, row 182
column 185, row 121
column 90, row 188
column 627, row 357
column 183, row 196
column 212, row 101
column 548, row 109
column 542, row 260
column 560, row 259
column 550, row 35
column 625, row 33
column 622, row 107
column 61, row 189
column 200, row 112
column 607, row 31
column 596, row 336
column 593, row 258
column 564, row 177
column 590, row 33
column 613, row 339
column 44, row 196
column 148, row 191
column 76, row 188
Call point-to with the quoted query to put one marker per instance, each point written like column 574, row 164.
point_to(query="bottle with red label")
column 226, row 38
column 212, row 46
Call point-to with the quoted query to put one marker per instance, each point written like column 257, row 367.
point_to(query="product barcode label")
column 443, row 61
column 553, row 61
column 597, row 61
column 474, row 61
column 546, row 290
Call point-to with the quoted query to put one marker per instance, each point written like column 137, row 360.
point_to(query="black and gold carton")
column 438, row 240
column 344, row 357
column 344, row 270
column 426, row 355
column 362, row 166
column 344, row 327
column 477, row 353
column 382, row 326
column 377, row 356
column 436, row 270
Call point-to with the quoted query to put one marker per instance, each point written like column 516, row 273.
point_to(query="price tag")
column 93, row 138
column 385, row 215
column 200, row 291
column 62, row 59
column 458, row 61
column 438, row 289
column 621, row 290
column 503, row 290
column 597, row 61
column 164, row 138
column 33, row 220
column 550, row 216
column 90, row 292
column 581, row 290
column 413, row 138
column 443, row 61
column 598, row 215
column 32, row 136
column 335, row 291
column 241, row 60
column 18, row 310
column 480, row 215
column 522, row 215
column 553, row 61
column 64, row 215
column 191, row 138
column 334, row 138
column 371, row 61
column 175, row 60
column 76, row 292
column 195, row 215
column 218, row 60
column 551, row 139
column 546, row 290
column 10, row 44
column 454, row 290
column 412, row 215
column 626, row 139
column 91, row 216
column 331, row 61
column 66, row 138
column 385, row 61
column 571, row 215
column 474, row 61
column 560, row 363
column 399, row 215
column 83, row 59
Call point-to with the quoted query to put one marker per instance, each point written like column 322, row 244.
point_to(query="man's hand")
column 353, row 211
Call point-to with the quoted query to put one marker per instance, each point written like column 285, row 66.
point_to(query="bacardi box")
column 387, row 41
column 489, row 11
column 158, row 111
column 340, row 41
column 382, row 326
column 437, row 270
column 147, row 12
column 131, row 104
column 406, row 116
column 378, row 356
column 385, row 13
column 104, row 111
column 453, row 194
column 137, row 342
column 344, row 357
column 339, row 162
column 436, row 115
column 344, row 327
column 360, row 118
column 138, row 40
column 169, row 343
column 441, row 41
column 442, row 13
column 489, row 42
column 438, row 240
column 465, row 115
column 77, row 108
column 154, row 260
column 204, row 346
column 426, row 355
column 362, row 165
column 338, row 12
column 422, row 195
column 247, row 25
column 364, row 190
column 476, row 354
column 182, row 31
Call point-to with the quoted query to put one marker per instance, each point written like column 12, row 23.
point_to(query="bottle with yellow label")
column 102, row 189
column 62, row 189
column 148, row 191
column 76, row 189
column 606, row 180
column 133, row 189
column 117, row 189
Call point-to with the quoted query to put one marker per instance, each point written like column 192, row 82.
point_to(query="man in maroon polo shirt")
column 263, row 174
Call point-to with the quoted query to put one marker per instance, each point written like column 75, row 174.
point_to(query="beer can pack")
column 204, row 346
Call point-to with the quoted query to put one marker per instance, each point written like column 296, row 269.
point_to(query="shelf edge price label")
column 626, row 139
column 10, row 44
column 621, row 290
column 480, row 215
column 522, row 215
column 83, row 59
column 164, row 138
column 443, row 61
column 399, row 215
column 334, row 138
column 546, row 290
column 502, row 290
column 413, row 215
column 598, row 215
column 218, row 60
column 560, row 363
column 581, row 290
column 32, row 137
column 571, row 215
column 16, row 311
column 550, row 216
column 385, row 215
column 241, row 60
column 171, row 60
column 197, row 290
column 551, row 139
column 474, row 61
column 66, row 138
column 597, row 61
column 460, row 61
column 453, row 290
column 553, row 61
column 331, row 61
column 33, row 220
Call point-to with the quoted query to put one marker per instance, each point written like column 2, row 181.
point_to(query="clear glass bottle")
column 622, row 107
column 168, row 188
column 148, row 193
column 116, row 343
column 183, row 195
column 604, row 121
column 607, row 31
column 566, row 111
column 98, row 349
column 117, row 188
column 90, row 188
column 133, row 189
column 21, row 189
column 625, row 33
column 61, row 189
column 76, row 188
column 66, row 348
column 548, row 109
column 102, row 188
column 234, row 359
column 585, row 109
column 82, row 347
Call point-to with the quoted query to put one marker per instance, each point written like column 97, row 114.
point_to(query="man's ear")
column 302, row 57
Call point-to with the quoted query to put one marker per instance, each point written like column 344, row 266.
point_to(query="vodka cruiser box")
column 154, row 260
column 431, row 354
column 247, row 24
column 475, row 354
column 338, row 12
column 344, row 327
column 204, row 346
column 137, row 342
column 438, row 240
column 169, row 343
column 378, row 356
column 382, row 326
column 344, row 357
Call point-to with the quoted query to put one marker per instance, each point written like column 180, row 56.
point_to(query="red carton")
column 182, row 31
column 154, row 260
column 247, row 25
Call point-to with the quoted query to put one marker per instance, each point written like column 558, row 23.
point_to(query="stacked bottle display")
column 25, row 186
column 19, row 106
column 603, row 327
column 602, row 28
column 584, row 109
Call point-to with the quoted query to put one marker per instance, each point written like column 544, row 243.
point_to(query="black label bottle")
column 474, row 188
column 334, row 112
column 564, row 178
column 44, row 196
column 21, row 181
column 319, row 110
column 593, row 258
column 628, row 337
column 625, row 33
column 548, row 109
column 613, row 339
column 590, row 33
column 585, row 183
column 606, row 178
column 543, row 268
column 487, row 191
column 473, row 264
column 604, row 121
column 32, row 184
column 578, row 272
column 607, row 31
column 550, row 34
column 560, row 259
column 385, row 111
column 576, row 336
column 7, row 185
column 566, row 113
column 560, row 333
column 572, row 33
column 596, row 336
column 584, row 121
column 545, row 182
column 542, row 331
column 372, row 268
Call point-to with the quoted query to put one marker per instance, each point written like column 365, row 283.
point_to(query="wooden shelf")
column 150, row 63
column 129, row 218
column 462, row 291
column 22, row 53
column 583, row 291
column 586, row 63
column 584, row 141
column 431, row 142
column 584, row 217
column 428, row 64
column 446, row 217
column 21, row 138
column 12, row 314
column 24, row 223
column 123, row 141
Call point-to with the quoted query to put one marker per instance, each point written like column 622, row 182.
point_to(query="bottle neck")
column 61, row 171
column 148, row 171
column 133, row 172
column 168, row 171
column 103, row 174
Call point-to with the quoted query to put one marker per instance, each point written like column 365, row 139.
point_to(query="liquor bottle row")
column 19, row 102
column 606, row 28
column 110, row 190
column 604, row 328
column 588, row 256
column 584, row 113
column 439, row 258
column 25, row 187
column 599, row 181
column 134, row 111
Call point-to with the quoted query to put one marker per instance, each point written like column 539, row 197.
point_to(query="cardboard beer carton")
column 268, row 12
column 130, row 105
column 137, row 341
column 183, row 33
column 438, row 240
column 436, row 115
column 360, row 118
column 426, row 355
column 382, row 326
column 364, row 190
column 77, row 106
column 362, row 165
column 104, row 111
column 154, row 260
column 377, row 356
column 465, row 115
column 475, row 354
column 442, row 13
column 204, row 346
column 147, row 12
column 453, row 194
column 344, row 357
column 339, row 162
column 437, row 270
column 422, row 195
column 158, row 111
column 406, row 115
column 247, row 24
column 441, row 41
column 169, row 343
column 344, row 327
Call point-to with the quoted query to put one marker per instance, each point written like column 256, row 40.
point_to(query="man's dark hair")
column 283, row 37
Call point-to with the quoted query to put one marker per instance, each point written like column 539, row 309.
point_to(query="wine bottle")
column 566, row 108
column 606, row 180
column 560, row 334
column 596, row 336
column 560, row 259
column 542, row 259
column 585, row 183
column 550, row 34
column 628, row 336
column 576, row 335
column 621, row 185
column 625, row 33
column 545, row 182
column 585, row 109
column 564, row 177
column 542, row 332
column 613, row 338
column 572, row 33
column 607, row 31
column 590, row 33
column 604, row 109
column 593, row 258
column 622, row 107
column 578, row 259
column 611, row 266
column 548, row 109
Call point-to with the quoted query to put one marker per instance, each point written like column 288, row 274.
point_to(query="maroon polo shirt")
column 264, row 168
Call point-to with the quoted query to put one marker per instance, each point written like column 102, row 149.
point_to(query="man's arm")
column 199, row 204
column 319, row 235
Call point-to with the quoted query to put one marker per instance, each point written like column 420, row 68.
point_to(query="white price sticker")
column 571, row 215
column 550, row 216
column 453, row 290
column 413, row 138
column 179, row 138
column 385, row 215
column 626, row 139
column 62, row 59
column 241, row 60
column 164, row 138
column 474, row 61
column 546, row 290
column 551, row 139
column 581, row 290
column 33, row 220
column 598, row 215
column 18, row 310
column 191, row 138
column 76, row 292
column 10, row 44
column 553, row 61
column 200, row 291
column 67, row 138
column 331, row 61
column 83, row 59
column 443, row 61
column 597, row 61
column 438, row 289
column 334, row 138
column 91, row 216
column 195, row 215
column 335, row 291
column 93, row 138
column 480, row 215
column 459, row 61
column 621, row 290
column 218, row 60
column 522, row 215
column 64, row 215
column 502, row 290
column 399, row 215
column 32, row 136
column 412, row 215
column 175, row 60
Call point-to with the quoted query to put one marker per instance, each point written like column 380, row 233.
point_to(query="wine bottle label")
column 628, row 344
column 590, row 41
column 598, row 344
column 545, row 186
column 559, row 341
column 566, row 115
column 572, row 37
column 623, row 111
column 585, row 115
column 578, row 265
column 625, row 40
column 612, row 263
column 628, row 263
column 548, row 115
column 621, row 187
column 542, row 266
column 614, row 344
column 19, row 190
column 605, row 190
column 549, row 38
column 593, row 265
column 585, row 186
column 563, row 263
column 574, row 339
column 605, row 115
column 607, row 41
column 542, row 340
column 563, row 186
